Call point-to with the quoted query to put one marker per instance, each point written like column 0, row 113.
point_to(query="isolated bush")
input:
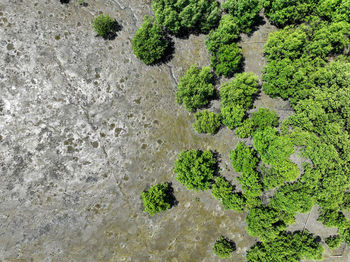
column 223, row 248
column 333, row 242
column 245, row 13
column 195, row 169
column 149, row 44
column 180, row 17
column 207, row 122
column 195, row 88
column 158, row 198
column 227, row 60
column 103, row 25
column 223, row 190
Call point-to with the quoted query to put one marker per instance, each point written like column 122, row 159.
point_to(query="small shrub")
column 207, row 122
column 149, row 44
column 195, row 88
column 223, row 248
column 333, row 242
column 195, row 169
column 158, row 198
column 103, row 25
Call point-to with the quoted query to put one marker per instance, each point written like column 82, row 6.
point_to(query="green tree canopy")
column 195, row 88
column 149, row 44
column 207, row 122
column 158, row 198
column 195, row 169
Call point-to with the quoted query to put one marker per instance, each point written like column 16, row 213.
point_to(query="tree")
column 195, row 88
column 265, row 223
column 260, row 120
column 149, row 44
column 180, row 17
column 293, row 198
column 245, row 13
column 195, row 169
column 104, row 25
column 278, row 173
column 244, row 158
column 285, row 12
column 223, row 248
column 227, row 60
column 223, row 190
column 226, row 34
column 333, row 242
column 237, row 97
column 158, row 198
column 207, row 122
column 287, row 247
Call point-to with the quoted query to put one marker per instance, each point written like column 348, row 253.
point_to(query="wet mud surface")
column 85, row 127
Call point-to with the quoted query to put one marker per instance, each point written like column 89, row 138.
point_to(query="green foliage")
column 278, row 173
column 333, row 242
column 195, row 169
column 149, row 44
column 195, row 88
column 223, row 248
column 158, row 198
column 103, row 25
column 243, row 158
column 226, row 33
column 334, row 10
column 298, row 58
column 227, row 59
column 291, row 247
column 179, row 16
column 284, row 12
column 272, row 147
column 223, row 190
column 293, row 198
column 332, row 218
column 265, row 223
column 260, row 120
column 237, row 97
column 245, row 13
column 207, row 122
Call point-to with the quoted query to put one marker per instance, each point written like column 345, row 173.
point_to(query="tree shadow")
column 217, row 159
column 168, row 53
column 259, row 21
column 231, row 242
column 170, row 195
column 115, row 28
column 64, row 1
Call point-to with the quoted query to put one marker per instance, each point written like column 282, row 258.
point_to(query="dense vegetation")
column 149, row 44
column 223, row 248
column 195, row 169
column 237, row 97
column 195, row 88
column 207, row 122
column 182, row 16
column 158, row 198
